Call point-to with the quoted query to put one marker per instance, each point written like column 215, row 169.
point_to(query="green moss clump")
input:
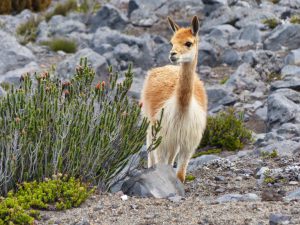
column 61, row 44
column 27, row 32
column 190, row 177
column 272, row 155
column 271, row 23
column 59, row 193
column 273, row 77
column 62, row 9
column 208, row 152
column 223, row 81
column 295, row 19
column 226, row 131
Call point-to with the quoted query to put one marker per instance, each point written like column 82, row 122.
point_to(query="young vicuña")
column 178, row 90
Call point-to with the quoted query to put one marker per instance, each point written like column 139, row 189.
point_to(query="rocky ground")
column 243, row 62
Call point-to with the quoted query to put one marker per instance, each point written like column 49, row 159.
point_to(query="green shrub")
column 59, row 193
column 271, row 23
column 27, row 32
column 273, row 76
column 208, row 152
column 190, row 177
column 275, row 1
column 295, row 19
column 267, row 155
column 61, row 44
column 71, row 127
column 226, row 131
column 62, row 9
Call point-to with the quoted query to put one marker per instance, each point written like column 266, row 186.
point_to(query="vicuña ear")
column 173, row 25
column 195, row 25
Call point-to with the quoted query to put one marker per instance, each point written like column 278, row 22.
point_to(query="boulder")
column 144, row 5
column 13, row 76
column 230, row 57
column 283, row 147
column 126, row 48
column 143, row 18
column 220, row 96
column 293, row 57
column 66, row 68
column 159, row 181
column 283, row 107
column 222, row 31
column 207, row 54
column 286, row 35
column 109, row 16
column 250, row 33
column 199, row 162
column 244, row 78
column 12, row 54
column 295, row 4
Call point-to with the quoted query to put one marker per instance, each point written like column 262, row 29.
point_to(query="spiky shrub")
column 11, row 6
column 71, row 127
column 226, row 131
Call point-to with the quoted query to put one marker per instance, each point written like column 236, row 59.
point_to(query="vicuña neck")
column 185, row 86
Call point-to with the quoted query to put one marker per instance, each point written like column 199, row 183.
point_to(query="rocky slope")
column 243, row 62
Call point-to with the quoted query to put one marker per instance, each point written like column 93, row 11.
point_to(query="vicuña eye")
column 188, row 44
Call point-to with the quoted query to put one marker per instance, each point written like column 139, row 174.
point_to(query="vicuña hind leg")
column 184, row 157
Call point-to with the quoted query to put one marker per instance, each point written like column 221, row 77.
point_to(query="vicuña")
column 178, row 90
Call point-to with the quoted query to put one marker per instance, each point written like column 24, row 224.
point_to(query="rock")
column 126, row 48
column 198, row 162
column 283, row 148
column 159, row 181
column 261, row 172
column 286, row 35
column 293, row 57
column 14, row 75
column 84, row 221
column 293, row 195
column 144, row 5
column 143, row 18
column 237, row 198
column 230, row 57
column 219, row 178
column 250, row 33
column 292, row 4
column 66, row 27
column 109, row 16
column 290, row 78
column 219, row 96
column 290, row 70
column 175, row 198
column 12, row 54
column 289, row 130
column 276, row 219
column 66, row 68
column 208, row 55
column 244, row 78
column 222, row 31
column 283, row 107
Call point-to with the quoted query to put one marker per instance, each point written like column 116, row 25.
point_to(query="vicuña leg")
column 184, row 156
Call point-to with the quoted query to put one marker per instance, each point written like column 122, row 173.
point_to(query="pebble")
column 293, row 182
column 279, row 219
column 124, row 197
column 176, row 198
column 238, row 178
column 219, row 178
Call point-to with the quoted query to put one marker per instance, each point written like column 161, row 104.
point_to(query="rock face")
column 67, row 67
column 109, row 16
column 12, row 54
column 284, row 36
column 159, row 182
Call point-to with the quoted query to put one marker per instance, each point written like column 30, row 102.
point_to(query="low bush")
column 16, row 6
column 27, row 32
column 73, row 127
column 271, row 23
column 61, row 44
column 226, row 131
column 59, row 193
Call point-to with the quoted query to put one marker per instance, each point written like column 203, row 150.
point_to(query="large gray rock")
column 290, row 78
column 238, row 198
column 219, row 96
column 286, row 35
column 250, row 33
column 283, row 147
column 222, row 31
column 230, row 57
column 295, row 4
column 109, row 16
column 126, row 48
column 13, row 76
column 144, row 5
column 293, row 195
column 244, row 78
column 199, row 162
column 159, row 181
column 283, row 107
column 293, row 57
column 12, row 54
column 66, row 68
column 207, row 55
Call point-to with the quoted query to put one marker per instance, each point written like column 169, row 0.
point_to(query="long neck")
column 185, row 86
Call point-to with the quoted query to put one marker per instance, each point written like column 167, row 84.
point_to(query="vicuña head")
column 178, row 90
column 184, row 42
